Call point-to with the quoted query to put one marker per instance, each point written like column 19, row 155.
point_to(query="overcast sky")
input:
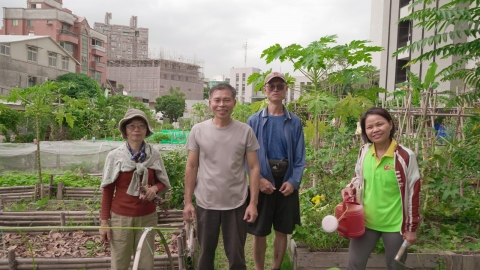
column 215, row 31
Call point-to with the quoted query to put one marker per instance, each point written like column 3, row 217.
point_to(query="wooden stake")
column 35, row 194
column 62, row 219
column 51, row 187
column 181, row 253
column 60, row 187
column 12, row 263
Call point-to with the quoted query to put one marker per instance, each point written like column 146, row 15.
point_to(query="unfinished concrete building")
column 124, row 42
column 151, row 78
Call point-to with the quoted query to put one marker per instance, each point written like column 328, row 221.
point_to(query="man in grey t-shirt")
column 215, row 171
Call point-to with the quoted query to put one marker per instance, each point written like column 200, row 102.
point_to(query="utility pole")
column 245, row 54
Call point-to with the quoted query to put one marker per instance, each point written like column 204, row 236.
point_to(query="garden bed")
column 304, row 259
column 168, row 218
column 75, row 250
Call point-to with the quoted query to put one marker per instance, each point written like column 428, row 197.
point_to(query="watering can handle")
column 345, row 206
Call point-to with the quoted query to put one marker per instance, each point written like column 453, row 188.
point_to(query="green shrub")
column 158, row 137
column 167, row 126
column 70, row 179
column 175, row 162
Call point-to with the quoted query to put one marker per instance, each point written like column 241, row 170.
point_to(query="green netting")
column 176, row 136
column 62, row 155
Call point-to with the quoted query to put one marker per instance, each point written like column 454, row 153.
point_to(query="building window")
column 52, row 59
column 96, row 58
column 30, row 23
column 84, row 52
column 36, row 6
column 32, row 81
column 96, row 42
column 65, row 27
column 32, row 54
column 173, row 77
column 65, row 63
column 98, row 76
column 67, row 46
column 5, row 49
column 14, row 22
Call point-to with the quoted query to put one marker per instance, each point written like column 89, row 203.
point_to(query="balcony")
column 68, row 36
column 405, row 55
column 99, row 66
column 405, row 11
column 98, row 50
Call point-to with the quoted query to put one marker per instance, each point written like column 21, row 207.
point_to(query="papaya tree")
column 42, row 101
column 325, row 65
column 199, row 112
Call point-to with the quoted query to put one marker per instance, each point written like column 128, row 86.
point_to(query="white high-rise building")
column 387, row 32
column 239, row 78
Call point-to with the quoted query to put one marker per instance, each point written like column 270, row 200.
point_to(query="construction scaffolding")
column 151, row 78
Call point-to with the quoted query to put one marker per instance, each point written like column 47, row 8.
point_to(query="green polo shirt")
column 382, row 202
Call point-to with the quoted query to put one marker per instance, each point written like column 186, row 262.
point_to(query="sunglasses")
column 272, row 87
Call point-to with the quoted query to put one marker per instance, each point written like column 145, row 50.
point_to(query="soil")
column 57, row 244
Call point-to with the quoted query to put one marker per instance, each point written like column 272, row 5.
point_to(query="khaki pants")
column 124, row 242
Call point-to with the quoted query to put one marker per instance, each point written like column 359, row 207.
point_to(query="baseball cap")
column 274, row 75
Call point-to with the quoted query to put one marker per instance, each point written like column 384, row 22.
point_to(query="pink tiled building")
column 73, row 33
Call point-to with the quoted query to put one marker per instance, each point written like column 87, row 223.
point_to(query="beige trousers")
column 124, row 242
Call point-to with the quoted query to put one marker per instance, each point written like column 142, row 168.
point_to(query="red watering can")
column 349, row 214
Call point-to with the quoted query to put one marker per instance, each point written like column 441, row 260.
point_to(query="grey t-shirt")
column 221, row 179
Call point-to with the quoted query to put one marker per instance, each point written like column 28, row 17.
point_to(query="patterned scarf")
column 140, row 154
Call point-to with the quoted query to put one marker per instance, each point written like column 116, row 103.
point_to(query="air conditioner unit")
column 49, row 21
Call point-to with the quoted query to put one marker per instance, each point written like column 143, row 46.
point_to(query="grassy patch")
column 221, row 261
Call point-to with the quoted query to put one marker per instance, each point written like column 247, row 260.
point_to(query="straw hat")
column 130, row 114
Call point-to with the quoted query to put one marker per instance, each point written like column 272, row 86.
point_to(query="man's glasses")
column 133, row 127
column 272, row 87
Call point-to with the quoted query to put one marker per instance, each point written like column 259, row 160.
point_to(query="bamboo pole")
column 459, row 112
column 51, row 187
column 37, row 213
column 35, row 194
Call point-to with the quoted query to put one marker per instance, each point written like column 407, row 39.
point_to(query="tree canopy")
column 170, row 106
column 83, row 86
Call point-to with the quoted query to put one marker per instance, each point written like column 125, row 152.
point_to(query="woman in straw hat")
column 131, row 166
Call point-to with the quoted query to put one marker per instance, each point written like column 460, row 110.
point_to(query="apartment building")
column 73, row 33
column 238, row 79
column 124, row 42
column 29, row 60
column 392, row 35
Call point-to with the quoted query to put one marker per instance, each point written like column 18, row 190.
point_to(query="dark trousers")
column 360, row 249
column 234, row 232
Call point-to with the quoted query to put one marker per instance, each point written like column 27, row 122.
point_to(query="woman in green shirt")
column 387, row 183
